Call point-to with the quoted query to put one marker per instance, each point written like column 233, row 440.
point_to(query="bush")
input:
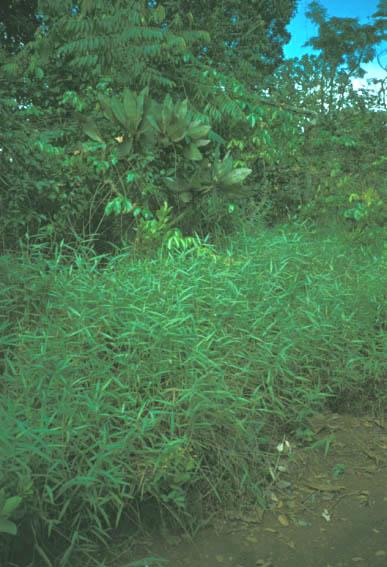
column 150, row 388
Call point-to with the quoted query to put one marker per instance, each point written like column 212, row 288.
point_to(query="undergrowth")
column 152, row 390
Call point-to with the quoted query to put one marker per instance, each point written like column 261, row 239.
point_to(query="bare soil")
column 328, row 508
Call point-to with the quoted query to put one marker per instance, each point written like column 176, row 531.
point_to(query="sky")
column 302, row 29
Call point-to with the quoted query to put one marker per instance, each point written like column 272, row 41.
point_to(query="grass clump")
column 151, row 390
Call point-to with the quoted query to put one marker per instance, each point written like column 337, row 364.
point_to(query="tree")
column 126, row 41
column 78, row 87
column 247, row 38
column 18, row 22
column 345, row 46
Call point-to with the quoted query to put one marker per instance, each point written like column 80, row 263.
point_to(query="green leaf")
column 198, row 130
column 141, row 99
column 7, row 527
column 166, row 112
column 201, row 176
column 109, row 208
column 117, row 206
column 127, row 206
column 186, row 196
column 152, row 121
column 131, row 176
column 201, row 143
column 147, row 214
column 193, row 153
column 358, row 214
column 182, row 109
column 119, row 112
column 130, row 109
column 176, row 131
column 125, row 149
column 214, row 137
column 39, row 73
column 105, row 103
column 252, row 120
column 10, row 505
column 224, row 167
column 173, row 184
column 159, row 14
column 2, row 497
column 90, row 129
column 236, row 176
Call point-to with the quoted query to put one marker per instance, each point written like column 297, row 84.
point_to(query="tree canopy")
column 119, row 107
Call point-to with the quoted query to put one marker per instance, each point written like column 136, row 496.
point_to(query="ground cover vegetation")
column 193, row 258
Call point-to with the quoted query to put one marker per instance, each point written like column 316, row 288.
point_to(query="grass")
column 147, row 392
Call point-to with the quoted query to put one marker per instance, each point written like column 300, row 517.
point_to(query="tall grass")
column 145, row 392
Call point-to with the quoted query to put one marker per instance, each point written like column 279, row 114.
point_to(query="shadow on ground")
column 328, row 509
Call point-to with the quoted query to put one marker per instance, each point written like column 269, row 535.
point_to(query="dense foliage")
column 156, row 130
column 115, row 107
column 139, row 393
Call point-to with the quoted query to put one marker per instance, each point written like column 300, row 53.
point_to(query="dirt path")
column 328, row 509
